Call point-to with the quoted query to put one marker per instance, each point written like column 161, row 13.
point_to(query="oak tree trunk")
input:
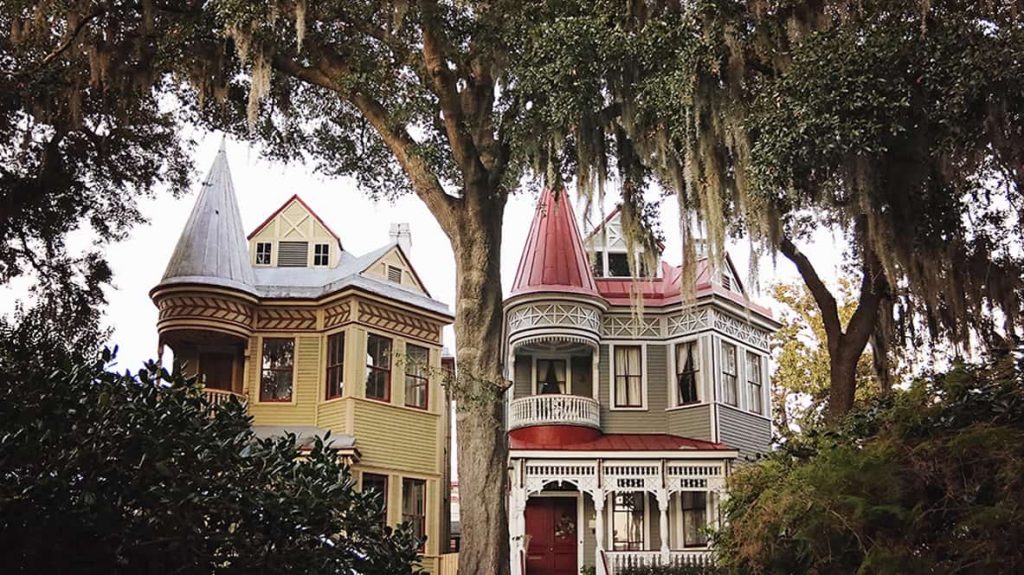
column 479, row 388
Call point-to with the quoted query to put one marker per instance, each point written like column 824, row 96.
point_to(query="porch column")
column 663, row 508
column 599, row 498
column 517, row 529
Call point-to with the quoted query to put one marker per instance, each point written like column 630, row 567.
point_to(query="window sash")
column 417, row 376
column 687, row 367
column 628, row 524
column 378, row 367
column 321, row 254
column 754, row 379
column 414, row 506
column 380, row 484
column 335, row 365
column 263, row 250
column 729, row 379
column 694, row 517
column 277, row 365
column 628, row 376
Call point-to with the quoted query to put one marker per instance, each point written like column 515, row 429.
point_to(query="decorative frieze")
column 337, row 315
column 286, row 319
column 631, row 326
column 233, row 313
column 742, row 330
column 400, row 322
column 554, row 315
column 687, row 322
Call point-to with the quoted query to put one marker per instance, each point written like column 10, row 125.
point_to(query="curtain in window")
column 694, row 518
column 686, row 372
column 628, row 379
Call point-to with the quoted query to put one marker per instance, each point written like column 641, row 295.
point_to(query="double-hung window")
column 695, row 513
column 276, row 369
column 378, row 367
column 335, row 365
column 417, row 370
column 628, row 376
column 414, row 507
column 687, row 366
column 378, row 484
column 754, row 380
column 628, row 521
column 729, row 374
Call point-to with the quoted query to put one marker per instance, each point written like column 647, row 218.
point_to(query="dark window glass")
column 755, row 382
column 628, row 376
column 598, row 264
column 414, row 507
column 276, row 373
column 551, row 376
column 335, row 365
column 379, row 485
column 686, row 372
column 618, row 265
column 729, row 389
column 263, row 254
column 417, row 376
column 378, row 367
column 694, row 518
column 628, row 522
column 321, row 254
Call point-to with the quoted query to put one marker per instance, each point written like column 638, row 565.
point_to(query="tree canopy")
column 106, row 472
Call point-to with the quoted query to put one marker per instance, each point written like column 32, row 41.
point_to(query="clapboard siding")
column 333, row 416
column 523, row 376
column 652, row 420
column 302, row 411
column 396, row 438
column 692, row 422
column 748, row 433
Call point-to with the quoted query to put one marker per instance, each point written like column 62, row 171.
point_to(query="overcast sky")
column 138, row 263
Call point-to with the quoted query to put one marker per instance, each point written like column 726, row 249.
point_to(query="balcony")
column 554, row 409
column 616, row 562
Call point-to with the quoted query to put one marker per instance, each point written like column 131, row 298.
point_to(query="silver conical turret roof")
column 212, row 248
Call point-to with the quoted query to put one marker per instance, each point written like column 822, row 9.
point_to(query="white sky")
column 138, row 263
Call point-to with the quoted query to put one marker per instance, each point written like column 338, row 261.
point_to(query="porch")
column 612, row 513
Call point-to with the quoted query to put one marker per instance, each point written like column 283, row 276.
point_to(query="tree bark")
column 479, row 387
column 844, row 346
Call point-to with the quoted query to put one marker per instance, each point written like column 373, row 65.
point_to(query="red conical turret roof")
column 554, row 259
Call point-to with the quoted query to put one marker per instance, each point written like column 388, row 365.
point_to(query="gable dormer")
column 294, row 236
column 394, row 267
column 610, row 256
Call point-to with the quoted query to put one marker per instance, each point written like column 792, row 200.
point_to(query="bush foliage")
column 102, row 472
column 926, row 480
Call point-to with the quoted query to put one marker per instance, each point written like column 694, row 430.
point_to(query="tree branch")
column 826, row 302
column 873, row 288
column 74, row 34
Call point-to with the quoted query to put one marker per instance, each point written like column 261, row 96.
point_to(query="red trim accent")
column 553, row 434
column 294, row 198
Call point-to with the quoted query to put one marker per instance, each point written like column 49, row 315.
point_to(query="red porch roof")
column 554, row 259
column 623, row 442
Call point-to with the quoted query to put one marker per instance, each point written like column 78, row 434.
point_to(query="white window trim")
column 328, row 254
column 295, row 369
column 609, row 509
column 643, row 375
column 702, row 392
column 740, row 381
column 568, row 370
column 750, row 388
column 256, row 255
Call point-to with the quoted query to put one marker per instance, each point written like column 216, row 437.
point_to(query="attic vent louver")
column 292, row 254
column 394, row 274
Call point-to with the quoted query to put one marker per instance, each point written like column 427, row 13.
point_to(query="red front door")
column 552, row 532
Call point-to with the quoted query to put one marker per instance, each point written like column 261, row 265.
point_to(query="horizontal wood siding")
column 523, row 376
column 692, row 422
column 396, row 438
column 306, row 384
column 748, row 433
column 333, row 416
column 653, row 419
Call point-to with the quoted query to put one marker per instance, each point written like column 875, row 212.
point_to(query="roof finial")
column 223, row 142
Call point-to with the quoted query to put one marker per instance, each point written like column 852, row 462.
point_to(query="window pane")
column 618, row 265
column 598, row 264
column 686, row 372
column 628, row 522
column 414, row 506
column 694, row 518
column 379, row 485
column 417, row 373
column 729, row 383
column 378, row 367
column 335, row 365
column 276, row 373
column 628, row 377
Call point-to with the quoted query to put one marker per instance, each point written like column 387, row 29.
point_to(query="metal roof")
column 212, row 248
column 554, row 259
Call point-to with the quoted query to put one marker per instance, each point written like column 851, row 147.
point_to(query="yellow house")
column 316, row 339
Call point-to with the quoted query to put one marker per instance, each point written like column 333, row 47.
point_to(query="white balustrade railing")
column 219, row 396
column 617, row 561
column 554, row 409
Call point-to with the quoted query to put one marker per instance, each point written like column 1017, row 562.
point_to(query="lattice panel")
column 741, row 330
column 286, row 319
column 554, row 315
column 337, row 315
column 633, row 477
column 630, row 326
column 403, row 323
column 688, row 322
column 584, row 477
column 205, row 307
